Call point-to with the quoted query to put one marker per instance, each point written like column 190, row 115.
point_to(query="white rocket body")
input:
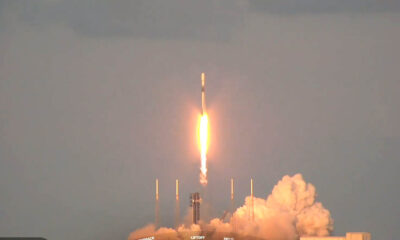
column 203, row 94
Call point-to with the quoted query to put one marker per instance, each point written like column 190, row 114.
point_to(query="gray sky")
column 98, row 98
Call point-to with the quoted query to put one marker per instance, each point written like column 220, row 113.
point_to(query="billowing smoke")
column 290, row 211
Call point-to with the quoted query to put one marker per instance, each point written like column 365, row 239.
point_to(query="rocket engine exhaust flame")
column 203, row 134
column 203, row 145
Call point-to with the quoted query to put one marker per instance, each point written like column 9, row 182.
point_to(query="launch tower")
column 195, row 204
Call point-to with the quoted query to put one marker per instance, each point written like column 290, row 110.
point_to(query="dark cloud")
column 176, row 19
column 323, row 6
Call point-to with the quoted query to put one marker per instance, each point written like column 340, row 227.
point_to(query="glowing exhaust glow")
column 203, row 148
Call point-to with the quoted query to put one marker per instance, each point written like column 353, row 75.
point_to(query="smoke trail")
column 177, row 205
column 157, row 207
column 177, row 213
column 289, row 212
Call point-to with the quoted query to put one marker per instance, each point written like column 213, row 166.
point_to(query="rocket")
column 157, row 196
column 203, row 94
column 177, row 189
column 232, row 189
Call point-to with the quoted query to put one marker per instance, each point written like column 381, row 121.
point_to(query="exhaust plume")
column 203, row 154
column 177, row 205
column 157, row 207
column 289, row 212
column 203, row 134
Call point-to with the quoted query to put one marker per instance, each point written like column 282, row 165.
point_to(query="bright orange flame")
column 203, row 133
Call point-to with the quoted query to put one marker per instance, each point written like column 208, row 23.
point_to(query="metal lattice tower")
column 195, row 204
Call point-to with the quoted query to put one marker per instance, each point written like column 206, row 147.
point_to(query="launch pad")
column 258, row 218
column 212, row 235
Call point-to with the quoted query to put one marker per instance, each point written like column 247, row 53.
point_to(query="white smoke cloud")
column 289, row 212
column 143, row 232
